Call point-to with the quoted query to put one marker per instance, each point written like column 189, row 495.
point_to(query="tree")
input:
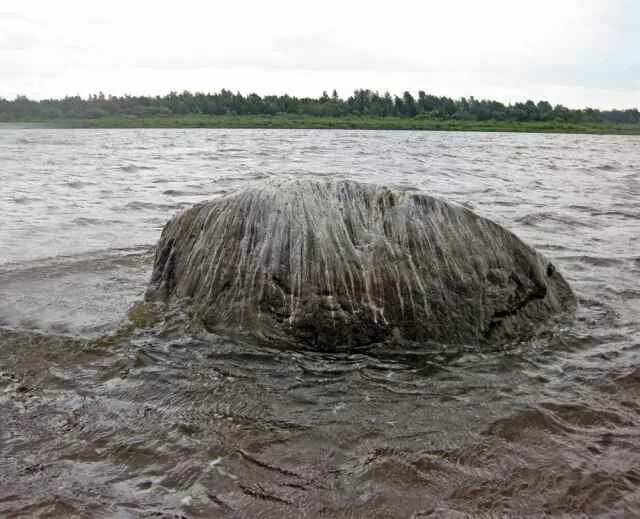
column 409, row 105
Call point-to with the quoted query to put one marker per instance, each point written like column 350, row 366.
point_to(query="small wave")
column 583, row 417
column 535, row 219
column 628, row 293
column 177, row 192
column 505, row 203
column 526, row 423
column 596, row 261
column 78, row 184
column 148, row 206
column 558, row 418
column 630, row 380
column 607, row 167
column 553, row 247
column 584, row 208
column 232, row 150
column 24, row 200
column 132, row 168
column 83, row 220
column 236, row 178
column 55, row 265
column 623, row 214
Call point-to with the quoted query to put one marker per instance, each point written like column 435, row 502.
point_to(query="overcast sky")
column 575, row 52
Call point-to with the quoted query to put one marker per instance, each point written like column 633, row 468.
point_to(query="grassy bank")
column 348, row 122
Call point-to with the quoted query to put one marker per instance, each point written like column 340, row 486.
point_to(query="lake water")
column 97, row 421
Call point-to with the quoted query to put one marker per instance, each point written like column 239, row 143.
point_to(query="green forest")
column 364, row 108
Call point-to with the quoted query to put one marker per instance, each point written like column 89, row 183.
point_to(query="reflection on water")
column 155, row 420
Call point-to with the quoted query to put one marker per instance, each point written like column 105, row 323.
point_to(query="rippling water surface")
column 101, row 417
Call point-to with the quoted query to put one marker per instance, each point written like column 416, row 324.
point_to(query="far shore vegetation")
column 365, row 109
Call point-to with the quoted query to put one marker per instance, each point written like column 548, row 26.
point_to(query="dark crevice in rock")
column 540, row 292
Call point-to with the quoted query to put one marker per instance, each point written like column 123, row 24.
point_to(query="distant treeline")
column 361, row 103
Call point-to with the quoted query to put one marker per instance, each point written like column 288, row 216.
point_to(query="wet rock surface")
column 343, row 264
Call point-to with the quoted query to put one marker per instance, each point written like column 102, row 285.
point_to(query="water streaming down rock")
column 346, row 264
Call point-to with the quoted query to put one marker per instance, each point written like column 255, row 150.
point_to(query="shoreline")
column 329, row 123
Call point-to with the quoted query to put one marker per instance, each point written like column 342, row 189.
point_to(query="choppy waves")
column 103, row 418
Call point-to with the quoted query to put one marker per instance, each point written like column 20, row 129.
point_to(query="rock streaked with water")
column 346, row 264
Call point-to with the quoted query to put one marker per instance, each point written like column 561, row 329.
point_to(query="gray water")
column 99, row 418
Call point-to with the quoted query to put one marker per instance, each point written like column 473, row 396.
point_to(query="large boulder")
column 345, row 264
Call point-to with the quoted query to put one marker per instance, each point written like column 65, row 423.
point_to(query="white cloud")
column 570, row 51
